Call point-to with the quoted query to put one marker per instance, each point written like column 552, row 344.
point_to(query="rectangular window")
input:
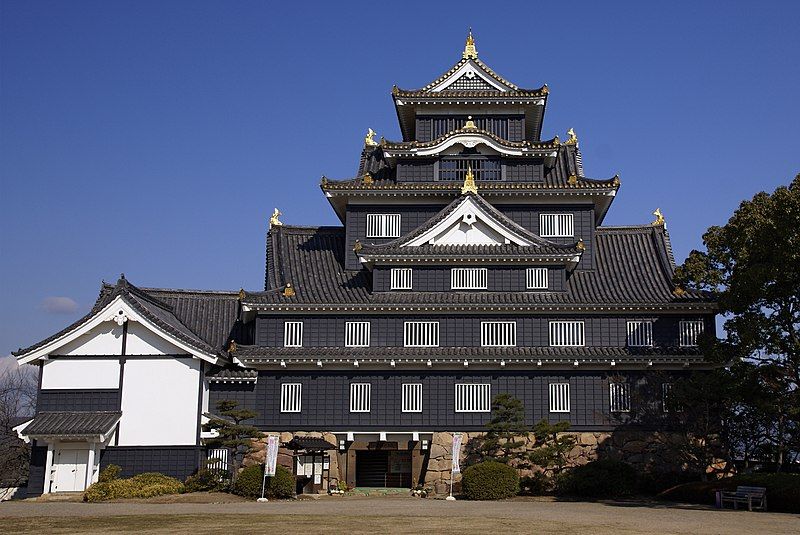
column 360, row 397
column 421, row 334
column 468, row 278
column 559, row 397
column 536, row 278
column 556, row 225
column 690, row 331
column 473, row 398
column 217, row 459
column 291, row 395
column 401, row 279
column 620, row 397
column 567, row 333
column 640, row 333
column 383, row 225
column 412, row 397
column 356, row 334
column 498, row 333
column 293, row 334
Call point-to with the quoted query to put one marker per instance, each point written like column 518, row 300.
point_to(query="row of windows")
column 468, row 278
column 550, row 225
column 468, row 397
column 568, row 333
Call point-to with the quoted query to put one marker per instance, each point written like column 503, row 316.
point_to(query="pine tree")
column 232, row 433
column 506, row 431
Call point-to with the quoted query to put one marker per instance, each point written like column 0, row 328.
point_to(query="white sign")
column 456, row 452
column 272, row 456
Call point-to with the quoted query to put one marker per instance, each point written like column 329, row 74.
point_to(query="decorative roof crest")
column 288, row 291
column 367, row 179
column 572, row 180
column 469, row 183
column 572, row 139
column 469, row 48
column 273, row 220
column 368, row 141
column 470, row 124
column 659, row 221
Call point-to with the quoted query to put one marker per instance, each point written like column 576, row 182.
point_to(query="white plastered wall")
column 159, row 402
column 143, row 341
column 81, row 373
column 105, row 339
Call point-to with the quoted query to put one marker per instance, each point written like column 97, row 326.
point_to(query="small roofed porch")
column 74, row 441
column 312, row 463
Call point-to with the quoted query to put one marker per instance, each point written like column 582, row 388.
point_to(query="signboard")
column 456, row 452
column 272, row 456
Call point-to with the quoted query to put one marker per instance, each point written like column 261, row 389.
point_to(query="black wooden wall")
column 326, row 398
column 78, row 400
column 437, row 279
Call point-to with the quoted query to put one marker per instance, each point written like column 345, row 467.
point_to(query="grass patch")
column 783, row 490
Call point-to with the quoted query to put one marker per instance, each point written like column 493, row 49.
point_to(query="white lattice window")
column 360, row 397
column 536, row 278
column 401, row 279
column 640, row 333
column 559, row 397
column 383, row 225
column 291, row 397
column 473, row 397
column 217, row 459
column 293, row 334
column 556, row 225
column 356, row 334
column 498, row 333
column 620, row 397
column 421, row 334
column 468, row 278
column 690, row 332
column 412, row 397
column 567, row 333
column 666, row 396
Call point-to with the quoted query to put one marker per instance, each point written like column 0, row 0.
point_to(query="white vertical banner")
column 272, row 456
column 456, row 453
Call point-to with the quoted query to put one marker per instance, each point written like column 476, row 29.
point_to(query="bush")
column 248, row 483
column 144, row 485
column 605, row 478
column 536, row 485
column 783, row 490
column 206, row 479
column 489, row 480
column 109, row 473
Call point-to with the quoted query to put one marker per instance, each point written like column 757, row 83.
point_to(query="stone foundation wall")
column 644, row 450
column 286, row 456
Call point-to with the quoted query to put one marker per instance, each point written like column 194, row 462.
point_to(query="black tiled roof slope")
column 634, row 267
column 72, row 424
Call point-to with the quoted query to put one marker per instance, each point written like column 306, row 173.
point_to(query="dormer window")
column 556, row 226
column 383, row 225
column 468, row 278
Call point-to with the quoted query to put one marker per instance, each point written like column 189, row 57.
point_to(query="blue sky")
column 155, row 138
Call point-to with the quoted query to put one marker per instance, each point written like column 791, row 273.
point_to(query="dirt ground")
column 210, row 513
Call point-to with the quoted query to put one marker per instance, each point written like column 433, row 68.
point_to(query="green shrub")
column 783, row 490
column 109, row 473
column 206, row 479
column 248, row 483
column 489, row 480
column 605, row 478
column 144, row 485
column 536, row 485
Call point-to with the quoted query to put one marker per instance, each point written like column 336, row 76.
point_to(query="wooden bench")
column 754, row 497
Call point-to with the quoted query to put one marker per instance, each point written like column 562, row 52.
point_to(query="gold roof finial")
column 580, row 245
column 357, row 246
column 288, row 291
column 470, row 124
column 469, row 49
column 572, row 139
column 572, row 180
column 469, row 183
column 273, row 220
column 659, row 222
column 232, row 347
column 368, row 141
column 241, row 294
column 366, row 179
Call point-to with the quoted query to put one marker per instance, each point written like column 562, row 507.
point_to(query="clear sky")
column 155, row 137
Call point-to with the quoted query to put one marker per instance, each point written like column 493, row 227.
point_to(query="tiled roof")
column 72, row 424
column 203, row 320
column 232, row 375
column 633, row 268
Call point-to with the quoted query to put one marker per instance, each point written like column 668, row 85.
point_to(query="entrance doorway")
column 390, row 469
column 70, row 467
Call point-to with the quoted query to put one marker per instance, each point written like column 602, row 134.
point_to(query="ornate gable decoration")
column 470, row 74
column 469, row 224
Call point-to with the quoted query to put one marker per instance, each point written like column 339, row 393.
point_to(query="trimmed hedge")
column 248, row 483
column 144, row 485
column 489, row 480
column 605, row 478
column 206, row 479
column 783, row 490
